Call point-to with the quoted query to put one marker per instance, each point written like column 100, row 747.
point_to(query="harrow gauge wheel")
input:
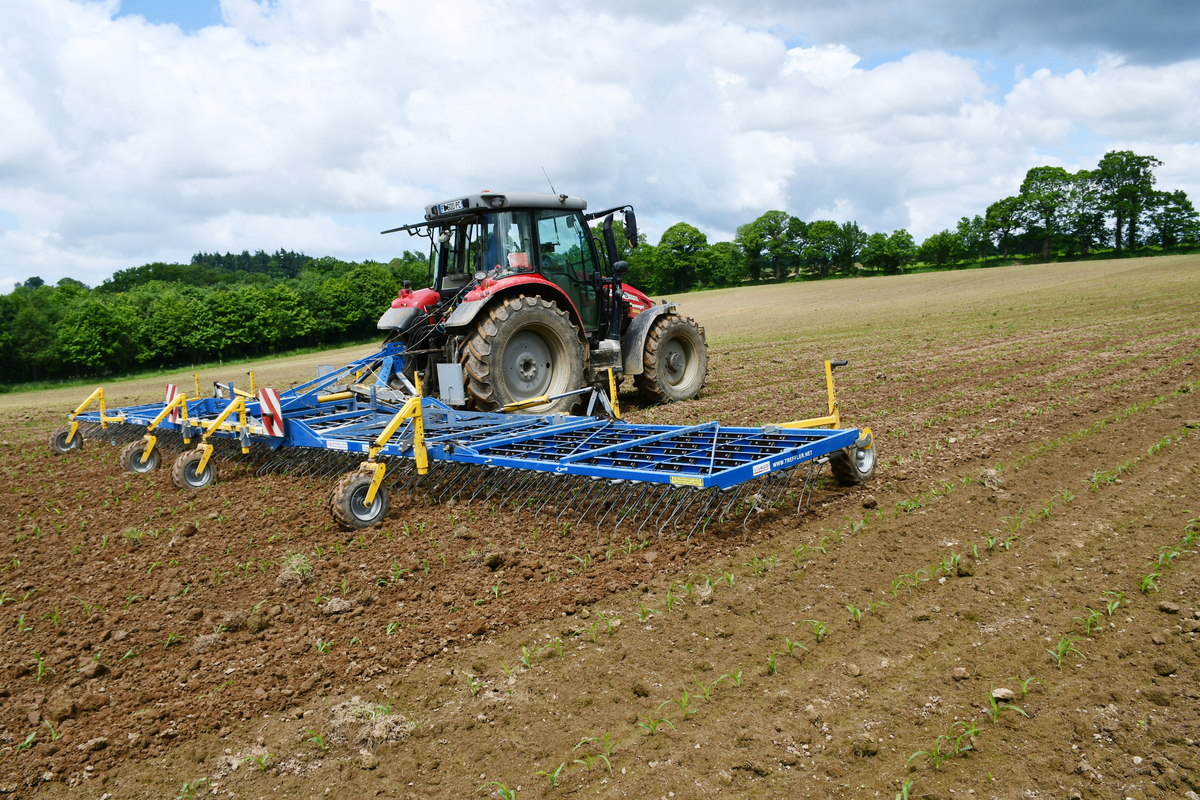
column 348, row 501
column 675, row 360
column 60, row 445
column 854, row 465
column 185, row 475
column 131, row 457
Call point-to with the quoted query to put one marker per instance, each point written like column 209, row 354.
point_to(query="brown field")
column 1038, row 494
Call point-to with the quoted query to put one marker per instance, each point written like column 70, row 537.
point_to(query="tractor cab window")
column 506, row 245
column 568, row 261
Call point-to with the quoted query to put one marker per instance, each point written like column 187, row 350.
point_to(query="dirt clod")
column 1165, row 666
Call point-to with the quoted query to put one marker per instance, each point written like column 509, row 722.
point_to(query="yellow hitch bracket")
column 612, row 393
column 530, row 403
column 870, row 440
column 242, row 418
column 71, row 432
column 207, row 450
column 180, row 400
column 411, row 410
column 150, row 440
column 376, row 481
column 196, row 375
column 229, row 409
column 834, row 420
column 251, row 374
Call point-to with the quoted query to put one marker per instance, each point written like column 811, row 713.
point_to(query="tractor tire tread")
column 648, row 383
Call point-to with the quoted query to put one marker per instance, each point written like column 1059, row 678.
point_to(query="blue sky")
column 148, row 131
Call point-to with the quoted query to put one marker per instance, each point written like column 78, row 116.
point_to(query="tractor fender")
column 466, row 311
column 633, row 343
column 398, row 319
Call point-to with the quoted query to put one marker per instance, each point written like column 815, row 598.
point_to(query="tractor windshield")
column 498, row 244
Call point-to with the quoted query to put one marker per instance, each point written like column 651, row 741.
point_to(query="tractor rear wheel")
column 854, row 465
column 185, row 475
column 348, row 501
column 674, row 361
column 60, row 445
column 523, row 348
column 131, row 457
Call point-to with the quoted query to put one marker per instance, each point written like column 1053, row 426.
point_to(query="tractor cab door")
column 568, row 261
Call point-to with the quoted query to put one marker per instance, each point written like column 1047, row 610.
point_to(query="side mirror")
column 620, row 268
column 631, row 228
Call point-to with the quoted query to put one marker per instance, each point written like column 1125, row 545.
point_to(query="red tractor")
column 527, row 302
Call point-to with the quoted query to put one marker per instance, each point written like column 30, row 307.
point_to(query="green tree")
column 901, row 250
column 681, row 258
column 1043, row 201
column 1173, row 218
column 1003, row 218
column 97, row 337
column 773, row 240
column 1126, row 182
column 942, row 248
column 821, row 247
column 972, row 232
column 1083, row 214
column 847, row 245
column 727, row 265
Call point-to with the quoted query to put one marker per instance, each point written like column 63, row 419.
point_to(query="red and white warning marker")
column 270, row 412
column 172, row 391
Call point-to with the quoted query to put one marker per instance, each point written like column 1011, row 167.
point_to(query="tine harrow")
column 372, row 440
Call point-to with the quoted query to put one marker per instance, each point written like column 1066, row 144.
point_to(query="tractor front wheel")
column 131, row 457
column 674, row 361
column 349, row 501
column 185, row 475
column 854, row 465
column 525, row 347
column 60, row 445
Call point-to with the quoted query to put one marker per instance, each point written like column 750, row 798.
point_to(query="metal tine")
column 702, row 495
column 782, row 485
column 703, row 518
column 487, row 475
column 645, row 489
column 736, row 495
column 599, row 496
column 665, row 495
column 756, row 498
column 519, row 485
column 542, row 485
column 640, row 488
column 453, row 482
column 498, row 484
column 586, row 493
column 679, row 499
column 564, row 488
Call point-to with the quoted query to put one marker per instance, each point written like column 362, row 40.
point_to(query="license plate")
column 453, row 205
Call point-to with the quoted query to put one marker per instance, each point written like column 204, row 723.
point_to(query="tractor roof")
column 495, row 201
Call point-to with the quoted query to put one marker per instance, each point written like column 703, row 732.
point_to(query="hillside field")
column 1008, row 610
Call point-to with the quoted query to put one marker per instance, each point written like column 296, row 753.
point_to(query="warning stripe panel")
column 271, row 411
column 172, row 391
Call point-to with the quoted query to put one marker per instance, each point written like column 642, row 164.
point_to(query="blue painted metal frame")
column 701, row 456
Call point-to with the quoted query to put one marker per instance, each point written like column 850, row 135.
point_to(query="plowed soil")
column 1028, row 538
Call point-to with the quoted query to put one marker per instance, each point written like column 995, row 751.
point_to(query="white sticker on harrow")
column 334, row 444
column 762, row 469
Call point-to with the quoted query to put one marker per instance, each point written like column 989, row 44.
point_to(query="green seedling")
column 994, row 707
column 507, row 672
column 706, row 691
column 735, row 677
column 682, row 703
column 592, row 632
column 688, row 589
column 392, row 627
column 791, row 646
column 25, row 745
column 671, row 600
column 727, row 577
column 474, row 685
column 652, row 725
column 906, row 789
column 553, row 776
column 819, row 628
column 969, row 731
column 192, row 789
column 259, row 761
column 772, row 668
column 502, row 791
column 1025, row 684
column 588, row 761
column 1064, row 647
column 1091, row 620
column 54, row 735
column 317, row 739
column 1114, row 602
column 21, row 626
column 52, row 616
column 556, row 645
column 874, row 604
column 526, row 656
column 129, row 654
column 323, row 647
column 1148, row 582
column 644, row 613
column 855, row 615
column 608, row 624
column 172, row 638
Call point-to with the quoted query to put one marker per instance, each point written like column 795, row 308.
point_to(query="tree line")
column 249, row 304
column 217, row 307
column 1113, row 209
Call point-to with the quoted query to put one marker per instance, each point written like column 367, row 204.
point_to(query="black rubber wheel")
column 59, row 444
column 131, row 457
column 524, row 347
column 184, row 473
column 854, row 465
column 348, row 501
column 674, row 361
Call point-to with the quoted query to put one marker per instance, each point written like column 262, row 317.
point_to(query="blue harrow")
column 369, row 430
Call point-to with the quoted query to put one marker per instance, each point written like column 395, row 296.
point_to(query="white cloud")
column 126, row 142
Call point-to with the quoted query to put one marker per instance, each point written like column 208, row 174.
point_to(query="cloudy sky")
column 144, row 130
